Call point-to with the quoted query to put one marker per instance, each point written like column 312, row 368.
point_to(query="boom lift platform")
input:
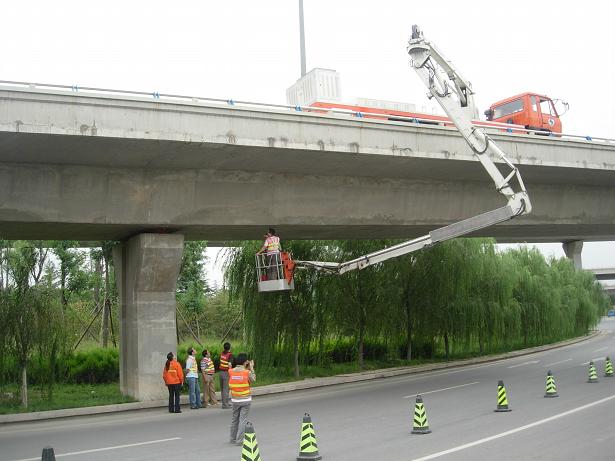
column 455, row 95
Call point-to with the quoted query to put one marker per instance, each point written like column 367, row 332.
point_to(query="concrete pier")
column 146, row 270
column 573, row 251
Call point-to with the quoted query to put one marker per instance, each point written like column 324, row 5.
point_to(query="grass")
column 64, row 396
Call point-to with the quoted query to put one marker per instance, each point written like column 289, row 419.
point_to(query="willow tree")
column 359, row 301
column 274, row 321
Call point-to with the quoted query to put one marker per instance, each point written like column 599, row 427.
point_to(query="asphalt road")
column 372, row 420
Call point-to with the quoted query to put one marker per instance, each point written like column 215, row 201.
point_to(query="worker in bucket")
column 271, row 247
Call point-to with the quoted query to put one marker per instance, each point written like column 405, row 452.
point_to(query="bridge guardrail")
column 502, row 128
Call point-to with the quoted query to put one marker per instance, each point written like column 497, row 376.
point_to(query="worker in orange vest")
column 173, row 376
column 226, row 358
column 272, row 247
column 240, row 378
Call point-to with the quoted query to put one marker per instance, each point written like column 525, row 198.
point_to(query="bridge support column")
column 573, row 251
column 146, row 270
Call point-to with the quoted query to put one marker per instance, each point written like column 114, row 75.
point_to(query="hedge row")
column 100, row 365
column 94, row 366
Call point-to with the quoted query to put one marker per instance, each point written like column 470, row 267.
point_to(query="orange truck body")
column 524, row 115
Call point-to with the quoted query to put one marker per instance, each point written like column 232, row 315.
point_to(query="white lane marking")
column 94, row 450
column 602, row 349
column 440, row 390
column 597, row 359
column 557, row 363
column 513, row 431
column 531, row 362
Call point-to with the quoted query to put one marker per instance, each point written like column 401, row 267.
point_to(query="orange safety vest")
column 207, row 366
column 224, row 360
column 273, row 244
column 239, row 383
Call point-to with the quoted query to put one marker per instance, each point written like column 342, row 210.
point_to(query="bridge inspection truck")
column 455, row 96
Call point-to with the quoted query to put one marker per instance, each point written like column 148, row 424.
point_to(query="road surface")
column 372, row 420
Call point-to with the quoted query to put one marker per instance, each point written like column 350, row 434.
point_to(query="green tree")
column 26, row 307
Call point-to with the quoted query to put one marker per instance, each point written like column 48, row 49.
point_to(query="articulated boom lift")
column 455, row 95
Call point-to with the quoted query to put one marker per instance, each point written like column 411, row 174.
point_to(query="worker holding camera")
column 240, row 378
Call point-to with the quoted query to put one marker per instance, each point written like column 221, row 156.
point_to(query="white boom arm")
column 455, row 95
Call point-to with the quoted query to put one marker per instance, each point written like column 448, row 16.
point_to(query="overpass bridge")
column 151, row 171
column 607, row 277
column 604, row 273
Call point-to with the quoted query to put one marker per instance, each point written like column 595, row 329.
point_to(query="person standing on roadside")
column 209, row 386
column 174, row 379
column 192, row 376
column 240, row 378
column 226, row 357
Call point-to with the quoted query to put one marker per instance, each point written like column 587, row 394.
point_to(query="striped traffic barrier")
column 419, row 423
column 502, row 399
column 249, row 449
column 593, row 375
column 308, row 447
column 608, row 368
column 550, row 389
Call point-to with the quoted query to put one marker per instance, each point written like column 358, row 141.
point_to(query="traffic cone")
column 593, row 376
column 608, row 368
column 550, row 390
column 48, row 454
column 308, row 448
column 420, row 424
column 249, row 450
column 502, row 400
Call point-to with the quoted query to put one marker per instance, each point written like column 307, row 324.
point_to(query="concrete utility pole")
column 302, row 37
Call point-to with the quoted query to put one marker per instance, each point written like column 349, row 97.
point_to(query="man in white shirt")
column 192, row 376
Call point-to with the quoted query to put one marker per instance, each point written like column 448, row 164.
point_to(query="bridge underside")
column 227, row 234
column 232, row 192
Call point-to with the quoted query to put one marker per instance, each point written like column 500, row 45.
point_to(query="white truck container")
column 317, row 85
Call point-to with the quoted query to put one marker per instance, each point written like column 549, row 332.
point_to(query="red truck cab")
column 531, row 110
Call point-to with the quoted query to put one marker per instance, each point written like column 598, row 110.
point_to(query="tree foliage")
column 459, row 297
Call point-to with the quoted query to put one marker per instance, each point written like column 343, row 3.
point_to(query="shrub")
column 94, row 366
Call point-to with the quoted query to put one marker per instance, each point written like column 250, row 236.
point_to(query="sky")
column 250, row 51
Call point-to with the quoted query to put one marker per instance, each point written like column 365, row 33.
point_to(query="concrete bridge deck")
column 99, row 166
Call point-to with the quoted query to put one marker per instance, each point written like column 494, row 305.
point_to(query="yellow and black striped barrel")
column 308, row 447
column 419, row 423
column 550, row 389
column 249, row 450
column 502, row 399
column 593, row 375
column 608, row 368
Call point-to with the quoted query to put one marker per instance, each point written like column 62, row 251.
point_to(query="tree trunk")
column 361, row 341
column 96, row 295
column 296, row 358
column 63, row 285
column 408, row 332
column 24, row 385
column 297, row 311
column 409, row 342
column 106, row 309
